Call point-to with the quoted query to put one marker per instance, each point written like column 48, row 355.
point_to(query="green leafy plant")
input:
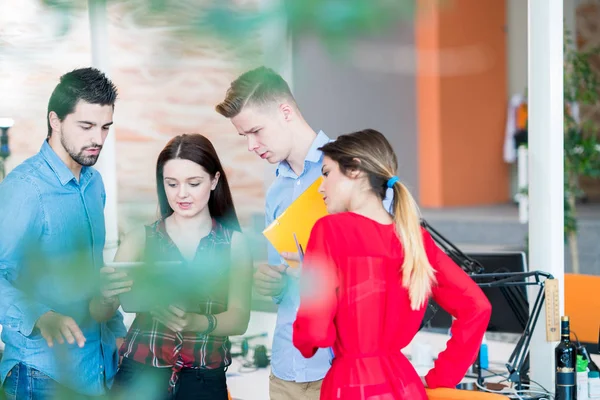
column 333, row 22
column 581, row 144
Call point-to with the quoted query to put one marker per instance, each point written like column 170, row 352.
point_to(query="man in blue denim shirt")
column 59, row 331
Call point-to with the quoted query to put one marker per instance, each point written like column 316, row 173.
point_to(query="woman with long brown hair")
column 367, row 276
column 171, row 352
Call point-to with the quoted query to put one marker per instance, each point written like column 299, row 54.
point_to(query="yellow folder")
column 299, row 219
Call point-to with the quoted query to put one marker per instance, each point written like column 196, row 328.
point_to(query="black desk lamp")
column 508, row 283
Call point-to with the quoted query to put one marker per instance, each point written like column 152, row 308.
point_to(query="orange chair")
column 582, row 304
column 455, row 394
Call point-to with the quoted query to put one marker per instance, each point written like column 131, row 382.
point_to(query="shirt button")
column 102, row 367
column 298, row 183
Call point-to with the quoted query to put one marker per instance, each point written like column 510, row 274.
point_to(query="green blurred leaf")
column 334, row 22
column 581, row 144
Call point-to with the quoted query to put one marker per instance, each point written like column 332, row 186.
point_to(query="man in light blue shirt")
column 263, row 110
column 59, row 331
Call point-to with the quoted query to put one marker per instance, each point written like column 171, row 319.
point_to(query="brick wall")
column 169, row 81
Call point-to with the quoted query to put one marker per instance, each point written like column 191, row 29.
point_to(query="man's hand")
column 296, row 264
column 268, row 280
column 175, row 318
column 289, row 256
column 114, row 283
column 54, row 326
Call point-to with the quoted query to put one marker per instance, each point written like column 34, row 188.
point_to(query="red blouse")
column 353, row 299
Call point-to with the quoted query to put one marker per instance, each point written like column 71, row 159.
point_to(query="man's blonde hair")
column 259, row 86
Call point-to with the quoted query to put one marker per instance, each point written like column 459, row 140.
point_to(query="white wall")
column 516, row 26
column 371, row 86
column 517, row 45
column 517, row 40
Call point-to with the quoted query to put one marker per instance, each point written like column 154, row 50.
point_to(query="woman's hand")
column 176, row 319
column 114, row 283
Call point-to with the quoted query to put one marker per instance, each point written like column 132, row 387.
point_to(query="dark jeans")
column 23, row 382
column 135, row 380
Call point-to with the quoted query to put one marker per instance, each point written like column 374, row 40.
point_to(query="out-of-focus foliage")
column 68, row 282
column 581, row 141
column 582, row 145
column 334, row 22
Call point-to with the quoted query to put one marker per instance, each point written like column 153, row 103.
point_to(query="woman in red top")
column 367, row 277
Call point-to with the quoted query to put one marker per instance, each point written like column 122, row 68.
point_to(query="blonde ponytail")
column 369, row 151
column 417, row 273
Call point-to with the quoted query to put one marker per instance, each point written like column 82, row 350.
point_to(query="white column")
column 545, row 96
column 107, row 162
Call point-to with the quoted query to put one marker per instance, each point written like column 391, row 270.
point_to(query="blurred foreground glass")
column 334, row 22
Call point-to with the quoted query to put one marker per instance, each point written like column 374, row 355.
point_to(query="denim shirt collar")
column 63, row 173
column 314, row 155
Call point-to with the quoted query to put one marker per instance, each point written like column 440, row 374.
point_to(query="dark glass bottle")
column 565, row 359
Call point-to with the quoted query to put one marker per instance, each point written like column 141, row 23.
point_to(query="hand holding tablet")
column 114, row 282
column 142, row 287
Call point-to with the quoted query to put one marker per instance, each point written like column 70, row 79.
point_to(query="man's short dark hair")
column 87, row 84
